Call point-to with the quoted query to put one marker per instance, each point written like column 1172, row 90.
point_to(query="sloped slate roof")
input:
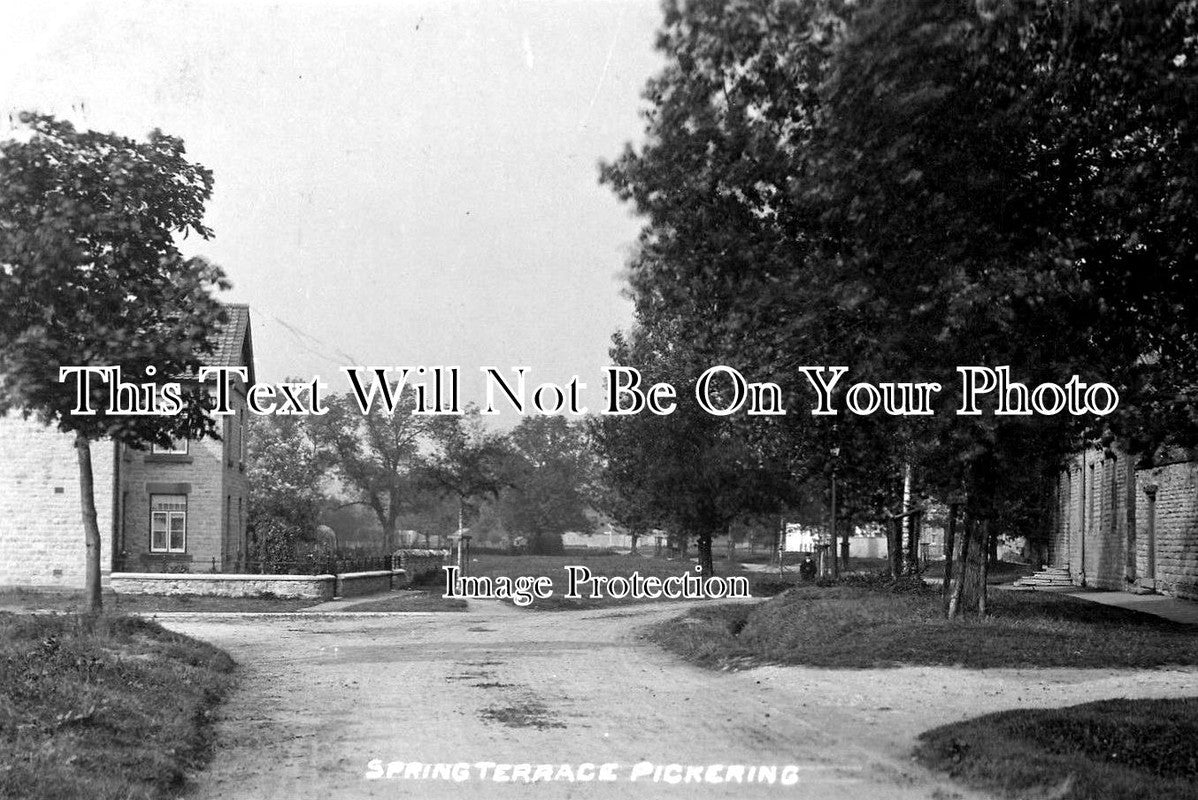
column 233, row 343
column 230, row 341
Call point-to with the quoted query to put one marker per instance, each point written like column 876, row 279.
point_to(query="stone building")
column 179, row 509
column 1122, row 524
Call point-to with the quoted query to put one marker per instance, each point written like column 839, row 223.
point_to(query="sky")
column 408, row 183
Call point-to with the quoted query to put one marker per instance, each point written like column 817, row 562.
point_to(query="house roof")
column 231, row 338
column 233, row 344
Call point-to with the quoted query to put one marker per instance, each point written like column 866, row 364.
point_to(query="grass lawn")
column 19, row 600
column 1108, row 750
column 115, row 707
column 875, row 624
column 410, row 600
column 607, row 565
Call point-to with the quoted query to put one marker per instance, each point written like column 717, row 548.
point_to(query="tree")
column 375, row 455
column 907, row 187
column 468, row 462
column 286, row 476
column 1014, row 184
column 90, row 275
column 549, row 483
column 690, row 471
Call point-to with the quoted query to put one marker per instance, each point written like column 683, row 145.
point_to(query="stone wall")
column 419, row 565
column 354, row 584
column 1167, row 528
column 316, row 587
column 1119, row 526
column 41, row 523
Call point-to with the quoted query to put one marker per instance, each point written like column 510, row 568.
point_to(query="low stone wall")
column 354, row 584
column 418, row 564
column 317, row 587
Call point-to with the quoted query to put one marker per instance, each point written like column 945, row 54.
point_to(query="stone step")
column 1049, row 576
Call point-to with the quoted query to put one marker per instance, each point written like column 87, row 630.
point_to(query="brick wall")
column 1113, row 535
column 41, row 527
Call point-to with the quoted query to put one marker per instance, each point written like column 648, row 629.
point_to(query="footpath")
column 1171, row 608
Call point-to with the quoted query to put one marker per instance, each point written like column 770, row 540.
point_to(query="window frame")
column 168, row 515
column 155, row 450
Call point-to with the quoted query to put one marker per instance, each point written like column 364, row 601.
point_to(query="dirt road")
column 322, row 696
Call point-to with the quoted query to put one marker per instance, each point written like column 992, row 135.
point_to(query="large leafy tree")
column 91, row 275
column 287, row 477
column 689, row 471
column 468, row 462
column 375, row 456
column 1015, row 185
column 549, row 481
column 906, row 187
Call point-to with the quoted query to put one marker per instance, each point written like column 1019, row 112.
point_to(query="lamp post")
column 835, row 452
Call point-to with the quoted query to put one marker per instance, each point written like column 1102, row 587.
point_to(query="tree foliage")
column 375, row 456
column 287, row 482
column 907, row 187
column 91, row 275
column 548, row 491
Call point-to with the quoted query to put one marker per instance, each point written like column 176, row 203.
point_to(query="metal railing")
column 316, row 564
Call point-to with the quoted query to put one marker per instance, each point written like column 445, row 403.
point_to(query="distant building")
column 183, row 508
column 1122, row 523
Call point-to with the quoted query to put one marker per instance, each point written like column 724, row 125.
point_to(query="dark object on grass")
column 807, row 569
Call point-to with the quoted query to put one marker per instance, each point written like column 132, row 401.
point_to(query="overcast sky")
column 401, row 183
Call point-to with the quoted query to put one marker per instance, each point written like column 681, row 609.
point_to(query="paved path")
column 1185, row 611
column 322, row 695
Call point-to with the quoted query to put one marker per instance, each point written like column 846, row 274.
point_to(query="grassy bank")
column 1108, row 750
column 880, row 625
column 115, row 707
column 71, row 602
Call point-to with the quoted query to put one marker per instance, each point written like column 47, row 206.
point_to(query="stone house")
column 180, row 509
column 1122, row 523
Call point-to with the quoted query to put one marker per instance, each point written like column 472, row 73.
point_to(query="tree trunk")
column 973, row 570
column 949, row 545
column 913, row 543
column 847, row 529
column 957, row 588
column 92, row 602
column 707, row 568
column 894, row 546
column 634, row 537
column 984, row 568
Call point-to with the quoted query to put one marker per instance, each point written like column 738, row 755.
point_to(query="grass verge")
column 1107, row 750
column 104, row 708
column 876, row 624
column 71, row 602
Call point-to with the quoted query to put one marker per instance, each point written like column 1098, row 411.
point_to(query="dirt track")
column 322, row 695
